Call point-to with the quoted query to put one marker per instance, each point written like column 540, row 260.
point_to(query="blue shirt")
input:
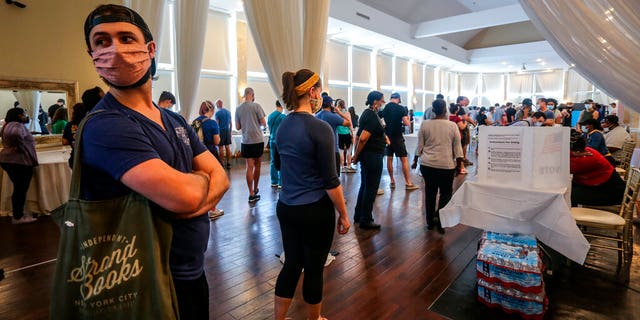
column 595, row 140
column 334, row 121
column 223, row 117
column 118, row 139
column 273, row 121
column 209, row 129
column 306, row 159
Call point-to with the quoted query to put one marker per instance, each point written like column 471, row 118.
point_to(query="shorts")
column 252, row 151
column 225, row 137
column 397, row 147
column 465, row 137
column 344, row 141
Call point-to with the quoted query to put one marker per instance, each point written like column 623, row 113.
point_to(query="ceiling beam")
column 361, row 15
column 470, row 21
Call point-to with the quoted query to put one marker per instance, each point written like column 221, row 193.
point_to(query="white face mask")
column 538, row 124
column 606, row 129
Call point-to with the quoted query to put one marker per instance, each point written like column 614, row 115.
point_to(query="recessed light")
column 573, row 64
column 543, row 63
column 504, row 62
column 538, row 60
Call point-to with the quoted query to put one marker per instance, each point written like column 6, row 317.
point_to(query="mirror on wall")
column 35, row 92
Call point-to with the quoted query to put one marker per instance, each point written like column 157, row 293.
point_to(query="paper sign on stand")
column 524, row 157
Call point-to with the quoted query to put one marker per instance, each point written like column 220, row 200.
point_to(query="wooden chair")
column 600, row 224
column 625, row 160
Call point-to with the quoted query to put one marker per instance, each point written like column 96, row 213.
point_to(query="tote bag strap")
column 76, row 173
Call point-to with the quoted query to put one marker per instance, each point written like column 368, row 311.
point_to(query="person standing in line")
column 249, row 119
column 310, row 196
column 273, row 122
column 54, row 107
column 166, row 100
column 345, row 139
column 59, row 121
column 223, row 117
column 334, row 119
column 210, row 132
column 465, row 115
column 18, row 158
column 440, row 158
column 69, row 133
column 395, row 116
column 134, row 145
column 370, row 145
column 43, row 119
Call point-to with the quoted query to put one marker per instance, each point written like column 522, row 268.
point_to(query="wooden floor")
column 394, row 273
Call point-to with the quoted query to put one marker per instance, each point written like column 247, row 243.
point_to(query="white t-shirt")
column 616, row 137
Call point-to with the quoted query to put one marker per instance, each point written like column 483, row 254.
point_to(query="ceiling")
column 460, row 35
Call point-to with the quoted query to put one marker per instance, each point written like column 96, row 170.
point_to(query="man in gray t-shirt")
column 249, row 118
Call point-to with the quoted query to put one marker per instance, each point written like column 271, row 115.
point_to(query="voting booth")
column 522, row 190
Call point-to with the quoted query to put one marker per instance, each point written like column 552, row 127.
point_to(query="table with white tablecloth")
column 236, row 141
column 507, row 209
column 49, row 186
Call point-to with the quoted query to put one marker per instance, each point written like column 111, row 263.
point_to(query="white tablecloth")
column 544, row 214
column 49, row 186
column 236, row 140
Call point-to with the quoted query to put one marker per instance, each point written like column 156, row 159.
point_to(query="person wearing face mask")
column 249, row 118
column 370, row 146
column 311, row 193
column 334, row 118
column 589, row 112
column 615, row 136
column 18, row 158
column 595, row 138
column 147, row 147
column 539, row 119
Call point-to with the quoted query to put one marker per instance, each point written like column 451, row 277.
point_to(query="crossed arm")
column 185, row 194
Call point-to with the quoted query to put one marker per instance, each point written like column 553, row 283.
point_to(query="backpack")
column 197, row 127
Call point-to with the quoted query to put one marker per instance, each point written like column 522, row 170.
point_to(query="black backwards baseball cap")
column 115, row 13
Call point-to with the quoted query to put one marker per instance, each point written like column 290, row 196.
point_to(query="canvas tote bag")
column 113, row 257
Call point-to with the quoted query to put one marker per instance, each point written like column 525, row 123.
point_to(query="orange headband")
column 305, row 86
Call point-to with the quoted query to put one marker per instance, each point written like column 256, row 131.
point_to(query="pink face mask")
column 122, row 65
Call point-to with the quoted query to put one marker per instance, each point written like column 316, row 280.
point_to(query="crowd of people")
column 309, row 147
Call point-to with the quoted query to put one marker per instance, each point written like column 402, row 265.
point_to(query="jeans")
column 370, row 173
column 436, row 180
column 193, row 298
column 275, row 173
column 20, row 175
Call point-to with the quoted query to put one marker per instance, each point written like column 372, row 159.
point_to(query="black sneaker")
column 254, row 198
column 369, row 226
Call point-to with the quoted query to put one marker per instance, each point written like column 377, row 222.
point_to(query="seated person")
column 595, row 138
column 615, row 136
column 595, row 181
column 539, row 119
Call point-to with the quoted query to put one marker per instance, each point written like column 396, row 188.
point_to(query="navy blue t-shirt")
column 392, row 115
column 118, row 139
column 334, row 121
column 306, row 158
column 209, row 129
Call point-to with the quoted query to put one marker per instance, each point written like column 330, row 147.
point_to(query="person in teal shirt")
column 273, row 121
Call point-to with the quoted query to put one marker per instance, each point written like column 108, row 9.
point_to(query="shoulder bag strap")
column 76, row 173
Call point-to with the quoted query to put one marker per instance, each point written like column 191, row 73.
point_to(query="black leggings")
column 436, row 180
column 20, row 176
column 307, row 233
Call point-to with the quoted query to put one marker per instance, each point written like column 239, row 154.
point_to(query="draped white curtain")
column 153, row 14
column 578, row 88
column 289, row 35
column 520, row 87
column 550, row 83
column 492, row 89
column 469, row 85
column 191, row 22
column 600, row 37
column 429, row 78
column 30, row 102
